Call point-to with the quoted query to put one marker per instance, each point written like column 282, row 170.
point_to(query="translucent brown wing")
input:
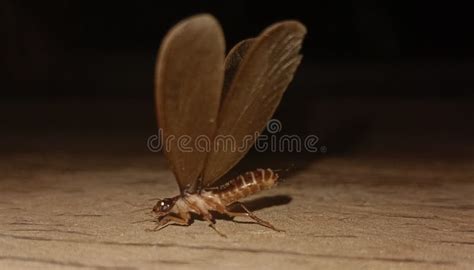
column 255, row 92
column 188, row 85
column 232, row 63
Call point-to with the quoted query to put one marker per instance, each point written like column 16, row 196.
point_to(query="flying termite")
column 200, row 92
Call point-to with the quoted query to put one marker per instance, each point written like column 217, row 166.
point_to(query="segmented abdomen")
column 245, row 185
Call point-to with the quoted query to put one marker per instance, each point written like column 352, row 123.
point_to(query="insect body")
column 245, row 185
column 217, row 199
column 202, row 94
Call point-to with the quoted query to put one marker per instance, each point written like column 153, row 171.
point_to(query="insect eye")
column 165, row 205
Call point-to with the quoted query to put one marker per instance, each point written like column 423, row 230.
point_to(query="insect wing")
column 232, row 62
column 188, row 84
column 254, row 94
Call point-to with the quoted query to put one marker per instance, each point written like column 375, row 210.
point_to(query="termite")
column 201, row 93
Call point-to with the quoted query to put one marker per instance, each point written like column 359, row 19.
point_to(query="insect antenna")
column 140, row 209
column 143, row 221
column 138, row 205
column 134, row 205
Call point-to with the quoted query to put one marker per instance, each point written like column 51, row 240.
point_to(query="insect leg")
column 167, row 220
column 209, row 220
column 252, row 216
column 206, row 216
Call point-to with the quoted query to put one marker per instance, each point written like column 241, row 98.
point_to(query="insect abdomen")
column 245, row 185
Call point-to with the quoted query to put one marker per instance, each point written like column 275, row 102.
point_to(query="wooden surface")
column 70, row 198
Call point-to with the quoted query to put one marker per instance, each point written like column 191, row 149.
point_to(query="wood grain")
column 74, row 202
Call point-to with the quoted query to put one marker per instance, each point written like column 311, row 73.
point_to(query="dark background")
column 107, row 49
column 370, row 68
